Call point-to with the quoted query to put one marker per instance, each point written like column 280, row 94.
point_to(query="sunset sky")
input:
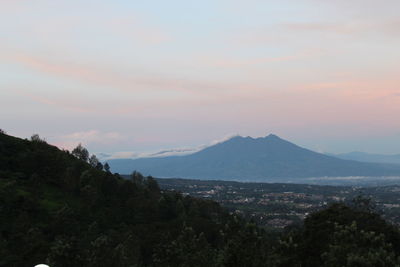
column 121, row 76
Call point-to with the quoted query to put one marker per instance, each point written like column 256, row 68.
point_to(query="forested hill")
column 66, row 209
column 58, row 209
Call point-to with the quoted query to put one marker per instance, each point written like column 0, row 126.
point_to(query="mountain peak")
column 272, row 136
column 239, row 137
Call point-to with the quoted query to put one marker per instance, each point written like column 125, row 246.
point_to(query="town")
column 277, row 205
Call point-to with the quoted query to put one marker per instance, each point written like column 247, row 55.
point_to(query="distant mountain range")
column 252, row 159
column 366, row 157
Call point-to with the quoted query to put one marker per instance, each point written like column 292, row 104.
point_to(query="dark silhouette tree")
column 93, row 161
column 187, row 250
column 99, row 166
column 36, row 138
column 152, row 184
column 354, row 247
column 363, row 203
column 81, row 153
column 107, row 167
column 137, row 178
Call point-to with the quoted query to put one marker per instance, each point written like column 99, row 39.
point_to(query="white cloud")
column 158, row 154
column 223, row 139
column 162, row 153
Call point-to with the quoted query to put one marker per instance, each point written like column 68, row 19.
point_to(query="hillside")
column 252, row 159
column 60, row 210
column 367, row 157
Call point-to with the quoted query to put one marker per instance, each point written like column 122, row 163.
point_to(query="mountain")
column 366, row 157
column 252, row 159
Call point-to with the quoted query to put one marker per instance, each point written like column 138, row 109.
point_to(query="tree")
column 241, row 248
column 93, row 161
column 81, row 153
column 363, row 203
column 99, row 166
column 64, row 252
column 354, row 247
column 188, row 249
column 137, row 178
column 2, row 131
column 107, row 167
column 344, row 235
column 36, row 138
column 152, row 184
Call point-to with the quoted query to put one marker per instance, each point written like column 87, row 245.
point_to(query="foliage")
column 107, row 167
column 341, row 236
column 95, row 163
column 81, row 153
column 37, row 138
column 352, row 247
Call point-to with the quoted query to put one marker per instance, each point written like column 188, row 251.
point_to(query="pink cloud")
column 70, row 141
column 337, row 102
column 105, row 77
column 65, row 104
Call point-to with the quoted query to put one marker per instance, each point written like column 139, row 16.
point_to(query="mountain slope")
column 59, row 210
column 366, row 157
column 246, row 158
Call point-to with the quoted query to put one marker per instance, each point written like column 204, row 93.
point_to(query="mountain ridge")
column 369, row 157
column 257, row 159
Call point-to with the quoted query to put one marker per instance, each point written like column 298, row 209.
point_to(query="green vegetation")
column 64, row 209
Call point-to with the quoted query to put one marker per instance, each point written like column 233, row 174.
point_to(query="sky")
column 140, row 76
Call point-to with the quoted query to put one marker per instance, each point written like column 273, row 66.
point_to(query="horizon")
column 142, row 77
column 182, row 151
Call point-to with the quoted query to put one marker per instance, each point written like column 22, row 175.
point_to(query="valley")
column 278, row 205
